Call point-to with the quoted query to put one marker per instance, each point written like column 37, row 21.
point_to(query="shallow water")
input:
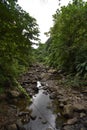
column 42, row 110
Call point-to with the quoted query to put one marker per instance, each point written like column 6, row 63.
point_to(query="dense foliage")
column 68, row 45
column 41, row 54
column 17, row 31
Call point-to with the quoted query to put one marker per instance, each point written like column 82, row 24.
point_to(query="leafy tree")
column 17, row 31
column 40, row 53
column 68, row 47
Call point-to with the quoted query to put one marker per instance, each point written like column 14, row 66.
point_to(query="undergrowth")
column 75, row 82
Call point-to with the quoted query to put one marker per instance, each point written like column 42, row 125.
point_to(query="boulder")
column 36, row 89
column 79, row 107
column 52, row 71
column 53, row 95
column 68, row 111
column 58, row 114
column 34, row 81
column 63, row 100
column 44, row 122
column 33, row 117
column 82, row 115
column 61, row 105
column 84, row 91
column 72, row 121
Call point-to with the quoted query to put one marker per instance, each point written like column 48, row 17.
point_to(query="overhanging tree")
column 17, row 31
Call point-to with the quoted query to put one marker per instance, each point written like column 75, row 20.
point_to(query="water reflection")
column 41, row 110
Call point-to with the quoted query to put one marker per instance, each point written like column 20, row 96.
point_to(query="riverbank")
column 72, row 103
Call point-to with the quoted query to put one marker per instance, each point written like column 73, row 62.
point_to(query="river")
column 42, row 112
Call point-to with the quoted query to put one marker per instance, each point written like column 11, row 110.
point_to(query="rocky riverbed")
column 70, row 104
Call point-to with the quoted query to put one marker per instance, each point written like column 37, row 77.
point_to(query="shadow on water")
column 43, row 117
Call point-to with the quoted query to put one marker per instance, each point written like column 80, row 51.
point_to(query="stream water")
column 42, row 112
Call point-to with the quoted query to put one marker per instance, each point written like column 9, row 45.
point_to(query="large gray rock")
column 33, row 117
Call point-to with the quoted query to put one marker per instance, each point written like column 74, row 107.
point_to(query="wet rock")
column 59, row 114
column 25, row 119
column 53, row 95
column 36, row 89
column 44, row 122
column 45, row 88
column 31, row 94
column 25, row 82
column 43, row 83
column 33, row 117
column 45, row 92
column 24, row 116
column 23, row 113
column 49, row 106
column 40, row 117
